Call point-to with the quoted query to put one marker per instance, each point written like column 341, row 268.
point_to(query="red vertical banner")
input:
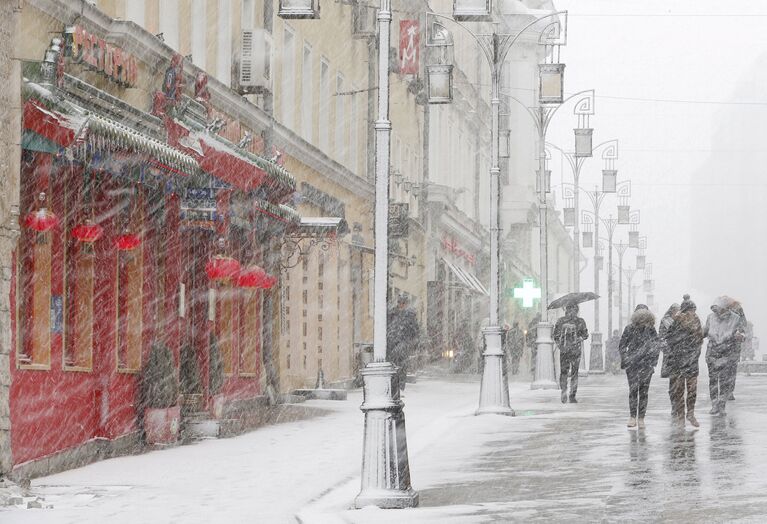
column 409, row 46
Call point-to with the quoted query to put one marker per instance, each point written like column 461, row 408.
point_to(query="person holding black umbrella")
column 569, row 333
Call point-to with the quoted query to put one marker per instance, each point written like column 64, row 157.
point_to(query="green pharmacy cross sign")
column 528, row 293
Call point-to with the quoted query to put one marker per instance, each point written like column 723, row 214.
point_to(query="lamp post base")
column 544, row 361
column 596, row 363
column 385, row 466
column 494, row 390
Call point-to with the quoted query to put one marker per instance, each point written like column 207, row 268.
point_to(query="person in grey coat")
column 682, row 338
column 639, row 349
column 725, row 332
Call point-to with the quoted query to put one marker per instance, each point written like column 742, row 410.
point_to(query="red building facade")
column 148, row 234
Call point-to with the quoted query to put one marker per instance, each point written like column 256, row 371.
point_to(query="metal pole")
column 494, row 390
column 596, row 358
column 610, row 232
column 621, row 248
column 385, row 466
column 577, row 229
column 545, row 370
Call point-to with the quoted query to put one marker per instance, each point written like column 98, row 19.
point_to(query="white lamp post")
column 494, row 390
column 385, row 465
column 609, row 180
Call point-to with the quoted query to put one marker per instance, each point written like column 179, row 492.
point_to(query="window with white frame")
column 169, row 22
column 324, row 103
column 224, row 43
column 353, row 135
column 288, row 76
column 135, row 11
column 198, row 36
column 307, row 98
column 341, row 146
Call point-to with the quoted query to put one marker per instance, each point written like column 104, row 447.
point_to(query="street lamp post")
column 620, row 248
column 494, row 389
column 385, row 467
column 628, row 274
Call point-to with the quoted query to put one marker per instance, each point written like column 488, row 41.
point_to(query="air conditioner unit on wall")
column 255, row 62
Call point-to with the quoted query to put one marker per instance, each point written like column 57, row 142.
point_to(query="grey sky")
column 658, row 67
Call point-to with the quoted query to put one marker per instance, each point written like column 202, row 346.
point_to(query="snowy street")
column 550, row 462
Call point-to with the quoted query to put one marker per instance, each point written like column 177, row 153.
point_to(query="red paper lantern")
column 41, row 220
column 269, row 282
column 88, row 232
column 222, row 268
column 251, row 277
column 127, row 242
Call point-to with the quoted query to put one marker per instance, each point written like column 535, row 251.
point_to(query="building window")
column 341, row 145
column 129, row 295
column 135, row 11
column 288, row 78
column 307, row 92
column 224, row 43
column 225, row 325
column 198, row 36
column 324, row 103
column 35, row 307
column 250, row 331
column 169, row 16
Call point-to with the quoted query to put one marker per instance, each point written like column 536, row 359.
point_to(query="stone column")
column 10, row 160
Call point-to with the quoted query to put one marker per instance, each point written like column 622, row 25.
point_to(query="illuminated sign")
column 96, row 54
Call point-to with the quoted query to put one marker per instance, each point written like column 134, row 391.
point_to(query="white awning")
column 468, row 279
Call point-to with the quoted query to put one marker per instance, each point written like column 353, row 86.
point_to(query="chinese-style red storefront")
column 133, row 249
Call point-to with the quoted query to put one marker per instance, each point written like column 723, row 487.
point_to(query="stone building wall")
column 10, row 129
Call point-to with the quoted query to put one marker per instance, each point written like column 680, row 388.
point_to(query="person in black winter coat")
column 639, row 349
column 681, row 350
column 402, row 336
column 569, row 334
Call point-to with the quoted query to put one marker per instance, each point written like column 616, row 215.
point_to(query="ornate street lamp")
column 588, row 239
column 609, row 180
column 546, row 178
column 299, row 9
column 634, row 239
column 569, row 216
column 440, row 74
column 624, row 214
column 641, row 261
column 472, row 10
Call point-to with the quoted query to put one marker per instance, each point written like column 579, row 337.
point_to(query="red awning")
column 215, row 157
column 50, row 125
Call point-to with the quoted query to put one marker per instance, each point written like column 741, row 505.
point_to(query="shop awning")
column 467, row 279
column 219, row 158
column 100, row 133
column 322, row 227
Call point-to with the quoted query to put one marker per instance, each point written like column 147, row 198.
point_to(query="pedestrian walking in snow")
column 639, row 349
column 725, row 332
column 735, row 307
column 682, row 336
column 402, row 336
column 532, row 337
column 569, row 334
column 515, row 341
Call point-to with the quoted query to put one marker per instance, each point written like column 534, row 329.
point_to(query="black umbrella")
column 573, row 298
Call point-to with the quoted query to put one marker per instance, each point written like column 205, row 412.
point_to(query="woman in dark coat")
column 639, row 350
column 683, row 340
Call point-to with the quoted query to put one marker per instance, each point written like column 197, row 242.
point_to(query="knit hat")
column 687, row 304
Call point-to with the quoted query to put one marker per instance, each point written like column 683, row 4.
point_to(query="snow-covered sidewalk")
column 267, row 475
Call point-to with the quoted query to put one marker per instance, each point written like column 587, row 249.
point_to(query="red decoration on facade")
column 172, row 87
column 41, row 220
column 251, row 277
column 409, row 46
column 128, row 242
column 269, row 282
column 222, row 268
column 201, row 93
column 451, row 246
column 88, row 232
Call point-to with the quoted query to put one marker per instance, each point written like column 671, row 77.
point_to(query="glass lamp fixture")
column 551, row 83
column 624, row 214
column 472, row 10
column 583, row 138
column 588, row 239
column 299, row 9
column 440, row 83
column 609, row 180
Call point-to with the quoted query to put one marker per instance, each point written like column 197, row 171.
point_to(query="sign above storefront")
column 98, row 55
column 451, row 246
